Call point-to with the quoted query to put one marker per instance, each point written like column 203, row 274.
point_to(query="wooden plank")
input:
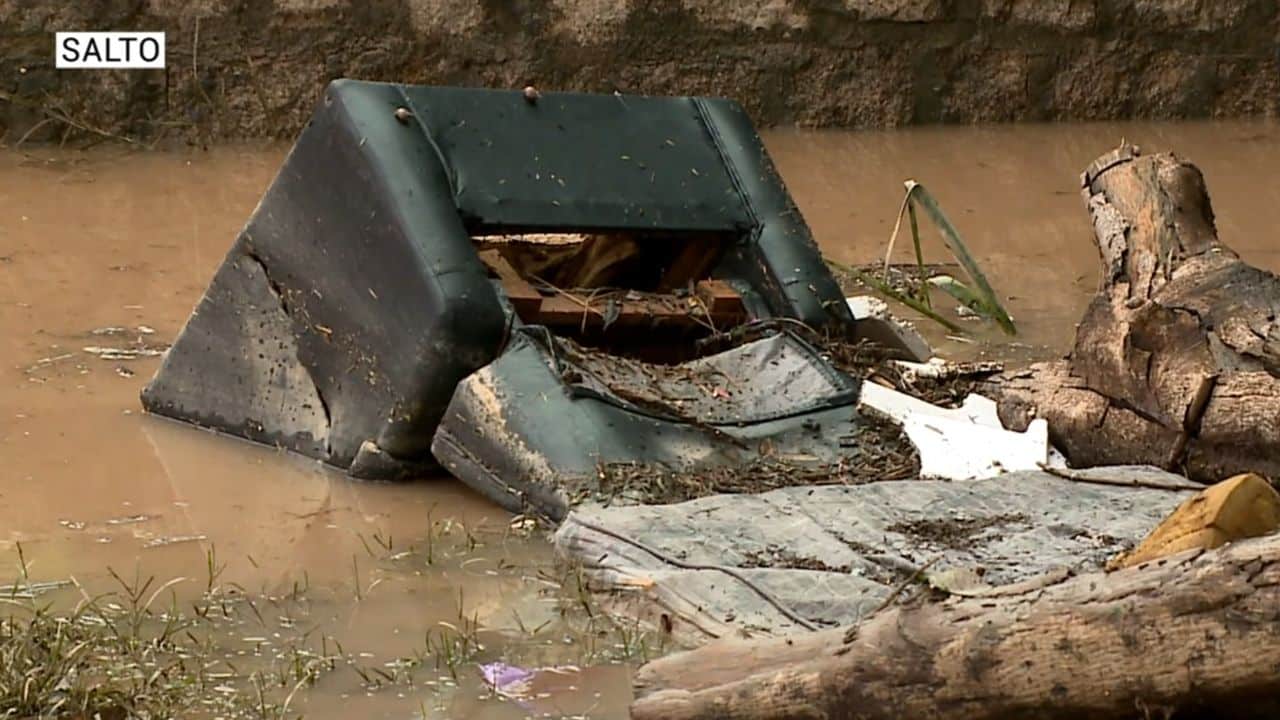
column 667, row 310
column 560, row 311
column 693, row 261
column 524, row 297
column 720, row 300
column 720, row 297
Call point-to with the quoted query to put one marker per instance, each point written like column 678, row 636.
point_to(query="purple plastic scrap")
column 508, row 680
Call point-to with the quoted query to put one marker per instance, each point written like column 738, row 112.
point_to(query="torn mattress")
column 549, row 424
column 831, row 555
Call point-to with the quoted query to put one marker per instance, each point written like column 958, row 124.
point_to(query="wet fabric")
column 833, row 554
column 542, row 426
column 771, row 378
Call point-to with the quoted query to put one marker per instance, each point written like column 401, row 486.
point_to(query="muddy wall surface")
column 242, row 68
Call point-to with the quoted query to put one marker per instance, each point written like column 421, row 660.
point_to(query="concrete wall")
column 254, row 67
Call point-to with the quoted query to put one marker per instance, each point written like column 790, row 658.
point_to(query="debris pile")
column 1140, row 592
column 627, row 329
column 768, row 413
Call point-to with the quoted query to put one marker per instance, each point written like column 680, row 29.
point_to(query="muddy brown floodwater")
column 111, row 248
column 1013, row 192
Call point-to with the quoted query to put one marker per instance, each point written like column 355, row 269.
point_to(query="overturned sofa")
column 413, row 233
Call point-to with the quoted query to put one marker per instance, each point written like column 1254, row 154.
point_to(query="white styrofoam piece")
column 932, row 368
column 867, row 306
column 963, row 443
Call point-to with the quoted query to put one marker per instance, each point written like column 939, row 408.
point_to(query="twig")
column 256, row 85
column 57, row 114
column 588, row 304
column 893, row 237
column 584, row 304
column 582, row 324
column 922, row 289
column 731, row 572
column 710, row 324
column 654, row 405
column 852, row 633
column 43, row 121
column 908, row 208
column 902, row 586
column 195, row 72
column 1116, row 482
column 195, row 54
column 760, row 326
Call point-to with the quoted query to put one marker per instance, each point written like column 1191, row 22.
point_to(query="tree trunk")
column 1177, row 360
column 1197, row 634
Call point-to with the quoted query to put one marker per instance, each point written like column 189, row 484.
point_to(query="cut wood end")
column 1241, row 507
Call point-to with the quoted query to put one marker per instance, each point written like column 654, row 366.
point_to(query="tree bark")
column 1177, row 360
column 1197, row 634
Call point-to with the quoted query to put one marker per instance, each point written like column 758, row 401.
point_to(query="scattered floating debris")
column 131, row 519
column 938, row 369
column 46, row 362
column 26, row 590
column 174, row 540
column 115, row 353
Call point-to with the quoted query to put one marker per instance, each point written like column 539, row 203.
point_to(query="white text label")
column 114, row 50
